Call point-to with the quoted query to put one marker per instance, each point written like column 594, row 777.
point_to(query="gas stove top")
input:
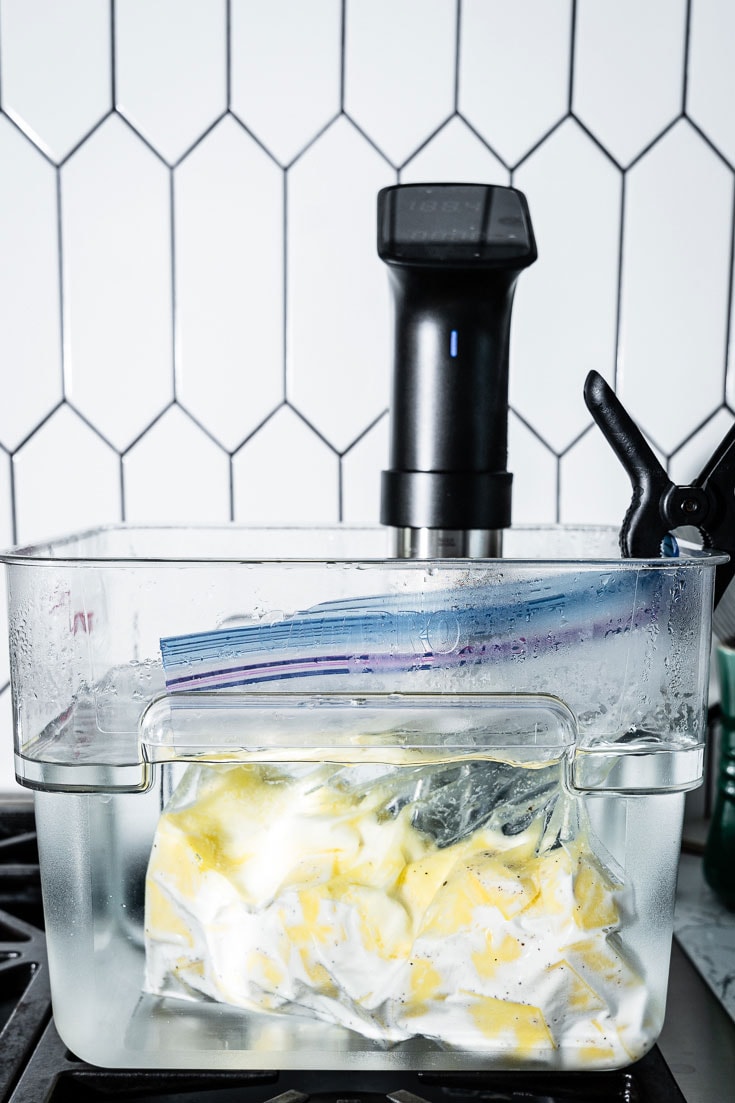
column 36, row 1067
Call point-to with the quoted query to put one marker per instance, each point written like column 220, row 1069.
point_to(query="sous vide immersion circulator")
column 454, row 252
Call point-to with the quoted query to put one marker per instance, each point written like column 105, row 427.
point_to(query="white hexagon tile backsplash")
column 188, row 271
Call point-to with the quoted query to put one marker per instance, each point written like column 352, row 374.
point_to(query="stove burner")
column 24, row 988
column 648, row 1081
column 36, row 1067
column 20, row 884
column 54, row 1075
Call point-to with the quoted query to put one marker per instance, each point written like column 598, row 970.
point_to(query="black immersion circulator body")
column 455, row 252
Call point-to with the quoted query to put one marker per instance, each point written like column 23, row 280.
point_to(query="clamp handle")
column 643, row 529
column 660, row 505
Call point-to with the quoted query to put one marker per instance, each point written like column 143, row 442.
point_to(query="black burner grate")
column 20, row 884
column 24, row 988
column 53, row 1075
column 36, row 1067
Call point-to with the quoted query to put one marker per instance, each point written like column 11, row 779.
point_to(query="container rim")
column 50, row 552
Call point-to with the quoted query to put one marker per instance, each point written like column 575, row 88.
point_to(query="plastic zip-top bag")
column 391, row 634
column 403, row 867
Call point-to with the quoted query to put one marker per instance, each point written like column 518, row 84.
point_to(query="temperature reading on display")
column 446, row 206
column 470, row 233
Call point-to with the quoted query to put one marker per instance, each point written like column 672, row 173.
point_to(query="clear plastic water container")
column 303, row 805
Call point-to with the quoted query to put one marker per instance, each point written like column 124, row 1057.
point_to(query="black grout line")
column 38, row 426
column 146, row 141
column 154, row 421
column 261, row 424
column 427, row 141
column 204, row 134
column 97, row 432
column 121, row 461
column 64, row 356
column 113, row 53
column 589, row 428
column 558, row 490
column 250, row 133
column 178, row 404
column 312, row 141
column 527, row 425
column 572, row 56
column 310, row 425
column 457, row 53
column 692, row 434
column 728, row 321
column 369, row 140
column 340, row 490
column 619, row 304
column 481, row 138
column 575, row 441
column 653, row 442
column 284, row 285
column 537, row 144
column 708, row 141
column 5, row 114
column 83, row 140
column 687, row 48
column 13, row 503
column 228, row 53
column 175, row 351
column 596, row 141
column 654, row 141
column 342, row 55
column 364, row 432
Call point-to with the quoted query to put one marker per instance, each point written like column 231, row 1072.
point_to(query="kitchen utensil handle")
column 643, row 527
column 620, row 431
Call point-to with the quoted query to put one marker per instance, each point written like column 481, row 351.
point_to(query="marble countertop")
column 705, row 930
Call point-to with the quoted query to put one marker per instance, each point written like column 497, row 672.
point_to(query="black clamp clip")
column 659, row 506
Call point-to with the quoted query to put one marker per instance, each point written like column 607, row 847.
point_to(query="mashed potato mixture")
column 288, row 890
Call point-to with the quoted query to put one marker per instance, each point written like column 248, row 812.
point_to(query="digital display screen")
column 473, row 223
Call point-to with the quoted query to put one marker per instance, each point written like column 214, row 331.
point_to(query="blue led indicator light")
column 453, row 344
